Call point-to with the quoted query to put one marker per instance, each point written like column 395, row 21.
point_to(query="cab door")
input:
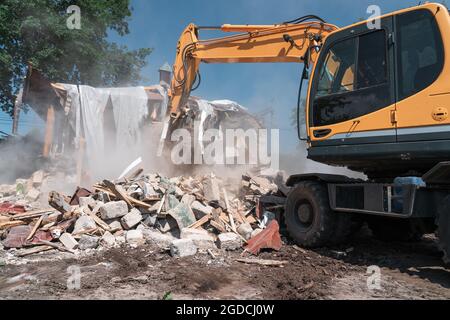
column 352, row 98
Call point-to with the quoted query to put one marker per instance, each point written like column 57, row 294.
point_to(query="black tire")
column 309, row 218
column 390, row 229
column 346, row 226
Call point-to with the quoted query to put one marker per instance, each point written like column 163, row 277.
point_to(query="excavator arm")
column 298, row 41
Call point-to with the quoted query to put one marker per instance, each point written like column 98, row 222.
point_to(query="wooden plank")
column 218, row 226
column 200, row 222
column 11, row 224
column 56, row 246
column 37, row 249
column 32, row 214
column 118, row 192
column 49, row 131
column 35, row 228
column 261, row 262
column 97, row 220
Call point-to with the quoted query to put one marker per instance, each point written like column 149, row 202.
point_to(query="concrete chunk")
column 88, row 242
column 115, row 226
column 68, row 241
column 188, row 199
column 182, row 248
column 245, row 230
column 211, row 189
column 162, row 241
column 135, row 237
column 32, row 195
column 113, row 210
column 229, row 241
column 84, row 223
column 200, row 237
column 108, row 239
column 131, row 219
column 87, row 202
column 200, row 210
column 37, row 178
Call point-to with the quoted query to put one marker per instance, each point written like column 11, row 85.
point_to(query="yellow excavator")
column 377, row 102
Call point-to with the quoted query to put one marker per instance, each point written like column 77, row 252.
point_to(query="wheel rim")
column 305, row 215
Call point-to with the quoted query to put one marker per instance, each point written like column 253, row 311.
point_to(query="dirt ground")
column 408, row 271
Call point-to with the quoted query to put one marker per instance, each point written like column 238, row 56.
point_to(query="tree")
column 36, row 31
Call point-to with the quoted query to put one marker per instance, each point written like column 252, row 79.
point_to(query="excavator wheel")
column 391, row 229
column 309, row 218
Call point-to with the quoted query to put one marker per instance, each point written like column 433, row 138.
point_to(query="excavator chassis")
column 403, row 209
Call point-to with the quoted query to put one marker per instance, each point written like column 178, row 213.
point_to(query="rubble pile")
column 180, row 215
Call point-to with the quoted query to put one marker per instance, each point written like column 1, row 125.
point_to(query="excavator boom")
column 287, row 42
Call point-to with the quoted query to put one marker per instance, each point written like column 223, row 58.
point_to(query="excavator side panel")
column 423, row 64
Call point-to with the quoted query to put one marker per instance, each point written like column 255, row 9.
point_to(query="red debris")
column 10, row 208
column 80, row 193
column 268, row 239
column 17, row 236
column 41, row 235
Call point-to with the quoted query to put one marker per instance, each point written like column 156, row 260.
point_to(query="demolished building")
column 94, row 126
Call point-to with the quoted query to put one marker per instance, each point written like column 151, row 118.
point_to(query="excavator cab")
column 375, row 94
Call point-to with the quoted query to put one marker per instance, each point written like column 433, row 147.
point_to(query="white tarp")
column 130, row 108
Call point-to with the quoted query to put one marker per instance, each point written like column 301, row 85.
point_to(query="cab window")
column 353, row 79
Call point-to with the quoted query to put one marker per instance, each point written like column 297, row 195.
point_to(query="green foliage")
column 36, row 31
column 168, row 296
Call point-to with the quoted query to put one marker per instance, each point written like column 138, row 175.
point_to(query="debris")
column 211, row 190
column 58, row 202
column 68, row 241
column 84, row 223
column 269, row 263
column 108, row 239
column 200, row 210
column 201, row 238
column 115, row 226
column 35, row 228
column 181, row 248
column 135, row 237
column 28, row 252
column 183, row 215
column 17, row 237
column 88, row 242
column 113, row 210
column 268, row 238
column 229, row 241
column 56, row 246
column 87, row 202
column 32, row 195
column 133, row 165
column 211, row 253
column 131, row 219
column 163, row 241
column 245, row 230
column 9, row 208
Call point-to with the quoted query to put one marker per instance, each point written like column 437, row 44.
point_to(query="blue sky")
column 158, row 24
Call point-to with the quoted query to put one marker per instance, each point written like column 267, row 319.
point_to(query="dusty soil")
column 408, row 271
